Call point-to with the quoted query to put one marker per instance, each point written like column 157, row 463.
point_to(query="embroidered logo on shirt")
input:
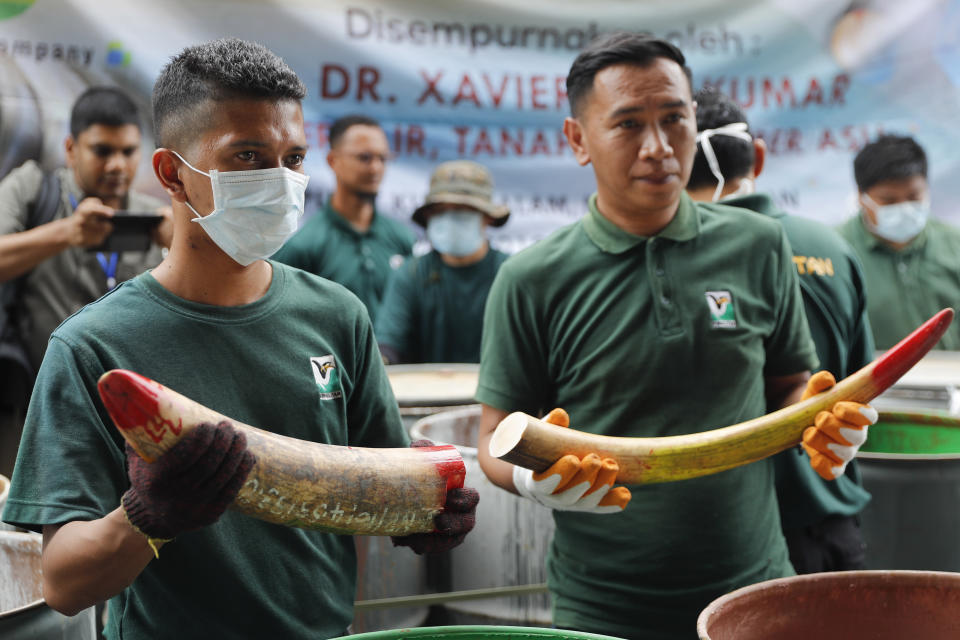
column 327, row 376
column 720, row 304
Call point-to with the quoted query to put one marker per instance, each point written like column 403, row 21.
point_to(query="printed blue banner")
column 485, row 81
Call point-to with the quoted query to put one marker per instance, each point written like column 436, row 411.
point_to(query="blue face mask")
column 899, row 222
column 456, row 233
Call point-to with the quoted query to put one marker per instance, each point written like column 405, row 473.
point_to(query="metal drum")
column 847, row 605
column 385, row 571
column 4, row 492
column 933, row 384
column 424, row 389
column 911, row 466
column 23, row 613
column 508, row 546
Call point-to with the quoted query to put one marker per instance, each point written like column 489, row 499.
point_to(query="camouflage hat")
column 462, row 182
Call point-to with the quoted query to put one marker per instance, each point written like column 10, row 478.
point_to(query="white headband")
column 734, row 130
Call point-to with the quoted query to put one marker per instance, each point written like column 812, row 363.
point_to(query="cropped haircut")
column 617, row 48
column 889, row 157
column 339, row 126
column 107, row 106
column 734, row 155
column 224, row 69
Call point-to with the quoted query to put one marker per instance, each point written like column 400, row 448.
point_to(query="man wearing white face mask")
column 433, row 307
column 262, row 342
column 911, row 261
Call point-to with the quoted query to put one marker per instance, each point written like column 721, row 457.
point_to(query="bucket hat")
column 462, row 182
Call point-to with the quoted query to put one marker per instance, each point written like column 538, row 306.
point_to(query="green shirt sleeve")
column 397, row 321
column 862, row 348
column 789, row 347
column 70, row 465
column 372, row 411
column 513, row 352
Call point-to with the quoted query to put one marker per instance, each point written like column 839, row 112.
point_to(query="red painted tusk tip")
column 130, row 399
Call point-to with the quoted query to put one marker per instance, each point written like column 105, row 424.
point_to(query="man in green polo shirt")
column 911, row 261
column 819, row 517
column 433, row 308
column 651, row 316
column 349, row 241
column 243, row 335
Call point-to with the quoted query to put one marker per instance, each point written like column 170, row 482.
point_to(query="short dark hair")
column 108, row 106
column 340, row 126
column 734, row 155
column 223, row 69
column 889, row 157
column 611, row 49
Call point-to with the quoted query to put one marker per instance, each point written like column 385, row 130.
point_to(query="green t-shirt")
column 905, row 288
column 433, row 312
column 831, row 282
column 240, row 577
column 657, row 336
column 330, row 247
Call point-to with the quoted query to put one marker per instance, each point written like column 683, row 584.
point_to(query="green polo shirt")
column 331, row 247
column 658, row 336
column 906, row 287
column 433, row 312
column 239, row 577
column 831, row 282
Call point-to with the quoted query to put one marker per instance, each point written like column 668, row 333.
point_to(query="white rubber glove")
column 836, row 435
column 577, row 496
column 572, row 484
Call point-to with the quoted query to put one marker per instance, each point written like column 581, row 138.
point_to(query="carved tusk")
column 347, row 490
column 528, row 442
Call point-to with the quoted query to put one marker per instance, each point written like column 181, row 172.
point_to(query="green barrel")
column 478, row 633
column 911, row 467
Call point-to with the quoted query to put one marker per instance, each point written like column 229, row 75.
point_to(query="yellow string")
column 155, row 543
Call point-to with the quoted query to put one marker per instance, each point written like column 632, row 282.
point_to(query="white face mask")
column 456, row 233
column 898, row 222
column 254, row 212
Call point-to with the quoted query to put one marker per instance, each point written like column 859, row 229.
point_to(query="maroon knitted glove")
column 452, row 525
column 191, row 485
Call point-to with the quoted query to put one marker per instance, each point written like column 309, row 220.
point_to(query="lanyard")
column 108, row 264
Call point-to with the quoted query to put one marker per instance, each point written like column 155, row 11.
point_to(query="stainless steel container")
column 23, row 613
column 507, row 547
column 385, row 571
column 422, row 390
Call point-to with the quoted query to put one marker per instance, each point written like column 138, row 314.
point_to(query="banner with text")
column 485, row 81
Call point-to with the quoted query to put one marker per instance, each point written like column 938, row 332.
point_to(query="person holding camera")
column 48, row 224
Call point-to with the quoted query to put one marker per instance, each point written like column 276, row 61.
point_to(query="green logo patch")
column 327, row 376
column 720, row 304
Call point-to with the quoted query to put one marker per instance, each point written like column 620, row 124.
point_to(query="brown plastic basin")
column 852, row 605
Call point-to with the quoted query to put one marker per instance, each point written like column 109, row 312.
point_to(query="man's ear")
column 573, row 130
column 331, row 159
column 70, row 146
column 759, row 156
column 166, row 166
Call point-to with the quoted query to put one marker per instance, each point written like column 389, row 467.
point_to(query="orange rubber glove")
column 572, row 484
column 836, row 435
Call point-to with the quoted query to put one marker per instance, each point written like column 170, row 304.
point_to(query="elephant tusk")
column 528, row 442
column 346, row 490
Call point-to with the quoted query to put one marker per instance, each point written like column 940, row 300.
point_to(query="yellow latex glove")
column 836, row 435
column 572, row 484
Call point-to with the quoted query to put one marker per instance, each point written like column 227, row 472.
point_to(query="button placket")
column 667, row 313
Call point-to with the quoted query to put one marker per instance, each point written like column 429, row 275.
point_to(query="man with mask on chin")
column 236, row 332
column 819, row 516
column 349, row 241
column 911, row 261
column 433, row 308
